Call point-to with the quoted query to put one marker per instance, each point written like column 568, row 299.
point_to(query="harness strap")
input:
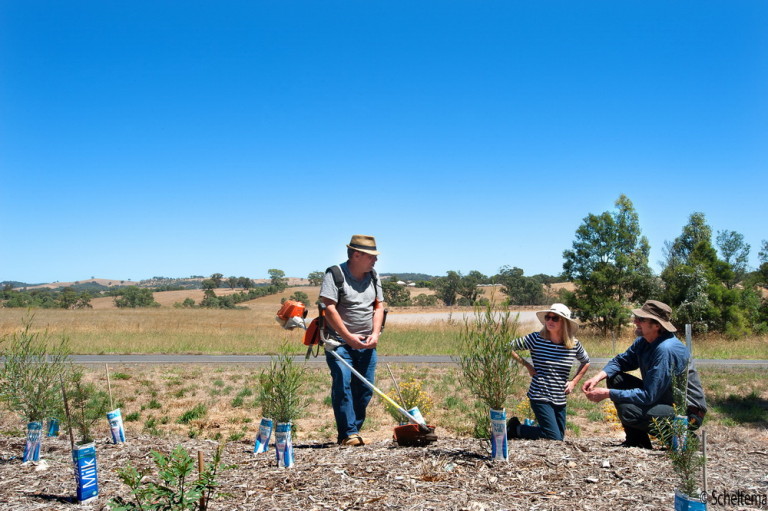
column 338, row 280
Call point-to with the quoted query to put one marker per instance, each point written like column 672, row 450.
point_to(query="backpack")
column 695, row 401
column 338, row 280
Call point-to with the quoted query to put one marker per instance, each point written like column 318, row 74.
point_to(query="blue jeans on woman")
column 551, row 419
column 349, row 396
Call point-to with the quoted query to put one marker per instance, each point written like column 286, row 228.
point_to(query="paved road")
column 392, row 359
column 458, row 316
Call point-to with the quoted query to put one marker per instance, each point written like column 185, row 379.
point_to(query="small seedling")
column 177, row 488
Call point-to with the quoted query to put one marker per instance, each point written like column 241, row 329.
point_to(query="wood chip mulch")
column 451, row 474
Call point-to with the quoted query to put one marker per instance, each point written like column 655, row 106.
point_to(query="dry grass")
column 153, row 398
column 253, row 330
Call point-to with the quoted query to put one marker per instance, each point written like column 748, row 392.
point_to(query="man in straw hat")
column 660, row 356
column 354, row 316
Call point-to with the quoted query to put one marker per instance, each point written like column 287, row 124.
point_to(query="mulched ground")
column 452, row 474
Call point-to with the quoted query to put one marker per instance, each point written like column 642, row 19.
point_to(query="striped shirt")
column 553, row 364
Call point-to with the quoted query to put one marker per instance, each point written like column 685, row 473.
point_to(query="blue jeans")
column 349, row 396
column 551, row 419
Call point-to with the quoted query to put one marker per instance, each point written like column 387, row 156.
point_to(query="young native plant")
column 176, row 487
column 489, row 368
column 87, row 404
column 31, row 374
column 683, row 446
column 486, row 360
column 280, row 386
column 281, row 400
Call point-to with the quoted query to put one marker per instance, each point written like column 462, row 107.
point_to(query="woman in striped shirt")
column 553, row 350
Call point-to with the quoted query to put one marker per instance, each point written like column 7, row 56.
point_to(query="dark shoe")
column 636, row 438
column 640, row 445
column 512, row 425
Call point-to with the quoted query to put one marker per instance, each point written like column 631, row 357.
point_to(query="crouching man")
column 660, row 357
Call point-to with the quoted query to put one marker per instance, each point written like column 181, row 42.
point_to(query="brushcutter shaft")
column 377, row 390
column 397, row 387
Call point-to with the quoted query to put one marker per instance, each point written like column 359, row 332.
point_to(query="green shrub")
column 31, row 376
column 279, row 395
column 176, row 488
column 486, row 360
column 423, row 300
column 86, row 405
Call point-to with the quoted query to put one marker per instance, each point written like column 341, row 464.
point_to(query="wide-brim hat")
column 363, row 243
column 660, row 311
column 562, row 311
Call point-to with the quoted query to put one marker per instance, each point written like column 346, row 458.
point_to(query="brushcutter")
column 292, row 315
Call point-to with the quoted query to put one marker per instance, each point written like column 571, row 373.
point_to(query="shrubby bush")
column 66, row 298
column 135, row 297
column 423, row 300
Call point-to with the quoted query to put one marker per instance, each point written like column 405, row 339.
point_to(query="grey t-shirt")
column 356, row 305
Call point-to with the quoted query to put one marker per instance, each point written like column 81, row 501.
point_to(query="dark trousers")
column 637, row 419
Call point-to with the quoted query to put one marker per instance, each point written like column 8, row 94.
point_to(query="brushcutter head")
column 414, row 435
column 295, row 322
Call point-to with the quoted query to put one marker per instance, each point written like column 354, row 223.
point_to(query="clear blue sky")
column 167, row 138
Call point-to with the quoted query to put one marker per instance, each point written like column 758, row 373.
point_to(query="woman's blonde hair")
column 568, row 340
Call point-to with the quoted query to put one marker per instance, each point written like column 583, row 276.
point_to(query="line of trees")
column 465, row 290
column 211, row 301
column 67, row 298
column 608, row 262
column 140, row 296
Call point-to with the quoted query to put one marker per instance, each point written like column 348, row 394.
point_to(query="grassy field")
column 255, row 331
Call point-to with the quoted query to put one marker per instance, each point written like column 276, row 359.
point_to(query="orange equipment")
column 291, row 309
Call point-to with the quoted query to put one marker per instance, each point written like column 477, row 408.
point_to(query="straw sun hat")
column 562, row 311
column 363, row 243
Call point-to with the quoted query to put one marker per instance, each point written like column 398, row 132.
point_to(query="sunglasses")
column 552, row 317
